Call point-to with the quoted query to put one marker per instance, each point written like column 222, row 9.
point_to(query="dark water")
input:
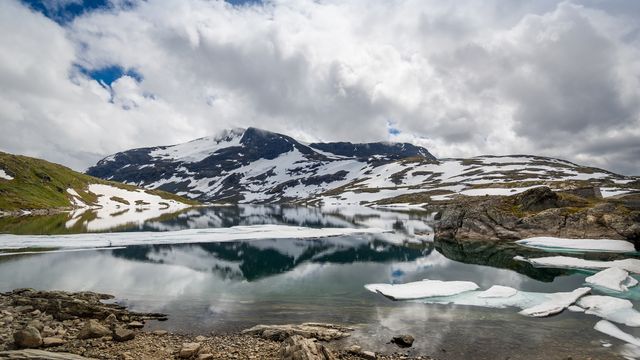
column 219, row 287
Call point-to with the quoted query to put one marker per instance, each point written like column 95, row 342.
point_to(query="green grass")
column 39, row 184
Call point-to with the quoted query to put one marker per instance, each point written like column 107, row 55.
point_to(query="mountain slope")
column 29, row 184
column 257, row 166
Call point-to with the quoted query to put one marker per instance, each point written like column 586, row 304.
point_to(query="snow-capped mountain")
column 257, row 166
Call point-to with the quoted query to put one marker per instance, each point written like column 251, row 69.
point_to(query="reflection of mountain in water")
column 499, row 255
column 253, row 260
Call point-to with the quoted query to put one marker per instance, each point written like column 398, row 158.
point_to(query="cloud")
column 541, row 77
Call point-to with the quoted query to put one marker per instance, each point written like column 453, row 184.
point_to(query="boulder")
column 403, row 341
column 297, row 347
column 93, row 329
column 29, row 337
column 189, row 350
column 320, row 331
column 121, row 335
column 538, row 199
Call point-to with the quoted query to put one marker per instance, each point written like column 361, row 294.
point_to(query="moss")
column 39, row 184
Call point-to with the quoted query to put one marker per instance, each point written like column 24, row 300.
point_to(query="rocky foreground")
column 60, row 325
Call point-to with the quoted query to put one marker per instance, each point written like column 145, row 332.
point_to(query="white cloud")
column 462, row 78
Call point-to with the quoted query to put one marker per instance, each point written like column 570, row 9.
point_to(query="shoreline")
column 81, row 325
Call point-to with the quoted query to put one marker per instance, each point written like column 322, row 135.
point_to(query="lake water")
column 228, row 286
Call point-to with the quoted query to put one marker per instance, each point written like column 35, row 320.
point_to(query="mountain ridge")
column 258, row 166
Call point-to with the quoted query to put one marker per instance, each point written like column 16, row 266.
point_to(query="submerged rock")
column 403, row 341
column 297, row 347
column 320, row 331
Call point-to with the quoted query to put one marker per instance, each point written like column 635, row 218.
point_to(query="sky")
column 82, row 79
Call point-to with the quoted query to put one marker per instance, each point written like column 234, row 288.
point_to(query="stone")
column 189, row 350
column 205, row 357
column 29, row 337
column 160, row 332
column 135, row 325
column 320, row 331
column 297, row 347
column 354, row 349
column 39, row 355
column 93, row 329
column 403, row 341
column 121, row 335
column 36, row 324
column 200, row 338
column 110, row 319
column 369, row 355
column 52, row 341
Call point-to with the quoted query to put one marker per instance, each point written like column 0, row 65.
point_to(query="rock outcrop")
column 324, row 332
column 537, row 212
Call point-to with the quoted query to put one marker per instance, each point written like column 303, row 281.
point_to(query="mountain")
column 28, row 184
column 258, row 166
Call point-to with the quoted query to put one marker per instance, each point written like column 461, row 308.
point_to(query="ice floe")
column 614, row 278
column 557, row 303
column 586, row 245
column 566, row 262
column 498, row 291
column 251, row 232
column 610, row 329
column 422, row 289
column 611, row 308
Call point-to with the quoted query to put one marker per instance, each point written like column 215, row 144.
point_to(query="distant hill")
column 258, row 166
column 33, row 184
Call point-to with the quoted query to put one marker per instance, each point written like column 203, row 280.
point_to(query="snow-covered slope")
column 257, row 166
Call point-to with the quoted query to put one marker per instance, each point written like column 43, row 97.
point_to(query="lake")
column 230, row 285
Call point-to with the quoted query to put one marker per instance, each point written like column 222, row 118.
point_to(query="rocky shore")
column 85, row 325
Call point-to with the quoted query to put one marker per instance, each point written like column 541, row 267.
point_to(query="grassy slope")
column 39, row 184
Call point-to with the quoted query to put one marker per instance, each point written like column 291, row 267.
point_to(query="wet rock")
column 135, row 325
column 297, row 347
column 52, row 341
column 29, row 337
column 39, row 355
column 93, row 329
column 403, row 341
column 189, row 350
column 369, row 355
column 120, row 334
column 320, row 331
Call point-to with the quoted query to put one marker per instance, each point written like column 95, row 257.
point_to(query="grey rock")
column 121, row 335
column 189, row 350
column 93, row 329
column 320, row 331
column 297, row 347
column 403, row 341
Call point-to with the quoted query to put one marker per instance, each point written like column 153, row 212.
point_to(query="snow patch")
column 5, row 176
column 610, row 329
column 610, row 308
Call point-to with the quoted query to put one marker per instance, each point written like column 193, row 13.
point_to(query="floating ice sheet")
column 610, row 329
column 498, row 291
column 615, row 279
column 252, row 232
column 556, row 303
column 422, row 289
column 584, row 245
column 610, row 308
column 566, row 262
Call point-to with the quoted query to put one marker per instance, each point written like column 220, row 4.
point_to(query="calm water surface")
column 217, row 287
